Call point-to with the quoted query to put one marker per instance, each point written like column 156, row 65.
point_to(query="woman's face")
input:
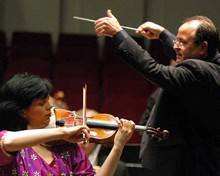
column 38, row 113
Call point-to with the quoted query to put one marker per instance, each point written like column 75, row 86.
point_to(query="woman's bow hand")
column 76, row 134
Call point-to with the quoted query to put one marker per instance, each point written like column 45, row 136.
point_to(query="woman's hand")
column 124, row 133
column 76, row 134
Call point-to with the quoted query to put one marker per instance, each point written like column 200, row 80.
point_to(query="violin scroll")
column 156, row 134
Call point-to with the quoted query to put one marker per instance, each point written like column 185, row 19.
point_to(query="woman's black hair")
column 17, row 94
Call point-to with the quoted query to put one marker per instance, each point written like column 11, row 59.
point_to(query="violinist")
column 25, row 112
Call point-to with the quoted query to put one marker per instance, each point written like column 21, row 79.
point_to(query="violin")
column 103, row 126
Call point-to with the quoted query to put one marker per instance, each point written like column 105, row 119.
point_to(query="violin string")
column 90, row 20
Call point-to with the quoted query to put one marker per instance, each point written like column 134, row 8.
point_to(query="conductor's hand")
column 150, row 30
column 107, row 26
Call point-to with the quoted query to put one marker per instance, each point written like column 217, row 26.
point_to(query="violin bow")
column 84, row 109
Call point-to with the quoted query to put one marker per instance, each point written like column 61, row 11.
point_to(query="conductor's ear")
column 204, row 48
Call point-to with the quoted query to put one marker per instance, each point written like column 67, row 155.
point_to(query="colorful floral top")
column 69, row 160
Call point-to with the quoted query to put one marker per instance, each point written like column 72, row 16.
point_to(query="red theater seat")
column 76, row 64
column 30, row 52
column 125, row 91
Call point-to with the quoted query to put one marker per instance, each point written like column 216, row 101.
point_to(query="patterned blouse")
column 68, row 160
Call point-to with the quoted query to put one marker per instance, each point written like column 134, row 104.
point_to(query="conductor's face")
column 184, row 45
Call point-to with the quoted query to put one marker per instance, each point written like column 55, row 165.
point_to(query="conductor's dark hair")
column 208, row 32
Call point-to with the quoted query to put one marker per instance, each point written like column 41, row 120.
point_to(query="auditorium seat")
column 76, row 64
column 30, row 52
column 125, row 91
